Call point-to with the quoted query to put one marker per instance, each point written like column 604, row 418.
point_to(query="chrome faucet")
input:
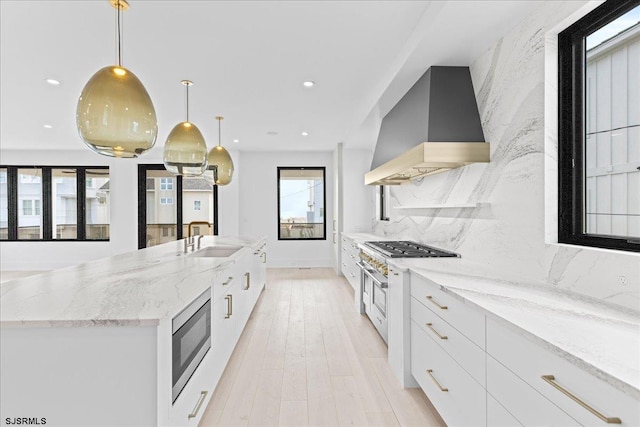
column 199, row 239
column 188, row 242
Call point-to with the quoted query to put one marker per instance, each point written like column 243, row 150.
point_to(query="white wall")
column 259, row 206
column 124, row 210
column 513, row 239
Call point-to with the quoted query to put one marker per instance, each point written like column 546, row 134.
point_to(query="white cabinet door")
column 225, row 324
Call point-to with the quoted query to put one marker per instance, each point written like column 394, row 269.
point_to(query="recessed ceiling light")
column 308, row 83
column 236, row 140
column 272, row 133
column 305, row 133
column 53, row 82
column 48, row 126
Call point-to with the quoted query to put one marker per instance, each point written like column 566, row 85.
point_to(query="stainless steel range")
column 374, row 272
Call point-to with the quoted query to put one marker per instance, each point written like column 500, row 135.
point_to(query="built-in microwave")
column 191, row 329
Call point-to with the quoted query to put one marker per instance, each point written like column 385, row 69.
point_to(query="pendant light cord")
column 118, row 34
column 187, row 87
column 219, row 131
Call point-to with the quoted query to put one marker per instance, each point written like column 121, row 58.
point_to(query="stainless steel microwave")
column 191, row 341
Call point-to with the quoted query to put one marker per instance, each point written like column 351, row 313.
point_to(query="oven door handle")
column 378, row 282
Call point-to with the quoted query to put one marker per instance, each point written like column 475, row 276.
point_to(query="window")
column 97, row 204
column 599, row 128
column 31, row 207
column 382, row 202
column 196, row 205
column 301, row 203
column 167, row 204
column 166, row 183
column 54, row 203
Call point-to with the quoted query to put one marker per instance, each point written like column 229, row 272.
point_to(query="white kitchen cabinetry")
column 459, row 399
column 540, row 369
column 498, row 416
column 353, row 201
column 447, row 364
column 350, row 259
column 481, row 370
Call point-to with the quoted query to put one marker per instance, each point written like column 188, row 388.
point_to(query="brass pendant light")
column 115, row 116
column 185, row 152
column 220, row 164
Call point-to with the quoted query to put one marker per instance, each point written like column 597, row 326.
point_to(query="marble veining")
column 508, row 240
column 133, row 289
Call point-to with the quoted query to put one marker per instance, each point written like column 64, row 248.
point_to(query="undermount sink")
column 216, row 251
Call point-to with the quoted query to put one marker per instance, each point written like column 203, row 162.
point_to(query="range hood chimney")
column 435, row 127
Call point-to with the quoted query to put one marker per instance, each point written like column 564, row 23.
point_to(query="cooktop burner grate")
column 407, row 249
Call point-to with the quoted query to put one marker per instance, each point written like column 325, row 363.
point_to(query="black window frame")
column 324, row 202
column 47, row 203
column 571, row 135
column 142, row 204
column 383, row 205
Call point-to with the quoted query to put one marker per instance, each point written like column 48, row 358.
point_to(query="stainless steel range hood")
column 435, row 127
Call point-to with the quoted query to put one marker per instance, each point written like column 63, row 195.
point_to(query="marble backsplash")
column 507, row 237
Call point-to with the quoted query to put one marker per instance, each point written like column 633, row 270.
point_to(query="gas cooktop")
column 407, row 249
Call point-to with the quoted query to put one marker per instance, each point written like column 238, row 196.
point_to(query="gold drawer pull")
column 430, row 326
column 228, row 281
column 609, row 420
column 203, row 395
column 442, row 307
column 430, row 372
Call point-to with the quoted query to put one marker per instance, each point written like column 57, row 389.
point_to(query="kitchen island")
column 92, row 344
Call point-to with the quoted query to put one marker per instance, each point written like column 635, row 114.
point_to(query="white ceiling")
column 248, row 60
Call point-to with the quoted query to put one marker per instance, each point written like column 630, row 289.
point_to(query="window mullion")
column 81, row 192
column 179, row 233
column 12, row 200
column 47, row 204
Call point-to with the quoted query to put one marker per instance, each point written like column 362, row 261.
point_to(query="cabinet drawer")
column 463, row 402
column 531, row 362
column 498, row 416
column 195, row 396
column 461, row 349
column 523, row 402
column 465, row 319
column 223, row 280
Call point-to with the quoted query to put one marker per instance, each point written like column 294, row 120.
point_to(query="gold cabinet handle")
column 551, row 380
column 194, row 413
column 430, row 326
column 441, row 307
column 264, row 257
column 247, row 280
column 430, row 372
column 228, row 281
column 229, row 299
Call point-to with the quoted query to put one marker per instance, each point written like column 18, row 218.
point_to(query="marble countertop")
column 599, row 337
column 130, row 289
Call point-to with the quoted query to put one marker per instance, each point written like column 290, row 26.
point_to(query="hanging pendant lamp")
column 185, row 152
column 220, row 163
column 115, row 116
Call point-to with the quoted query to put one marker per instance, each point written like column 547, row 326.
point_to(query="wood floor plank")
column 348, row 404
column 293, row 413
column 266, row 405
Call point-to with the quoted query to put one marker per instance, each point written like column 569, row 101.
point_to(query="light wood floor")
column 307, row 358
